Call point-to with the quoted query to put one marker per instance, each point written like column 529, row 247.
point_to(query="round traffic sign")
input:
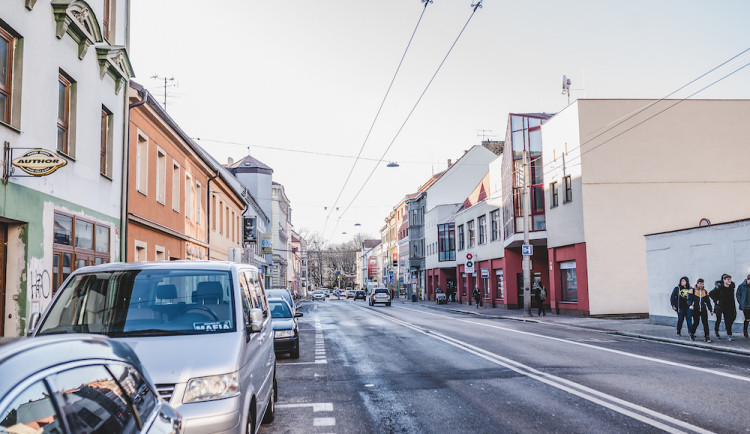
column 469, row 256
column 469, row 264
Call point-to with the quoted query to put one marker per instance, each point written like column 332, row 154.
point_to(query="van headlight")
column 283, row 333
column 211, row 388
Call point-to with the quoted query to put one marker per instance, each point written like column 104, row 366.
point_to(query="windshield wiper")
column 151, row 332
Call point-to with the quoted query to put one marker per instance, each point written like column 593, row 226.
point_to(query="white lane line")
column 595, row 347
column 571, row 387
column 324, row 421
column 316, row 362
column 316, row 406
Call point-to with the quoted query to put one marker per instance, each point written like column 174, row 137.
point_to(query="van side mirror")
column 297, row 314
column 33, row 322
column 256, row 321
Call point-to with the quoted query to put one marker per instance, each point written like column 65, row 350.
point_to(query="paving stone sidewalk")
column 632, row 327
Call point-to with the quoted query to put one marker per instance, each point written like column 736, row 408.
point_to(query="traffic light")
column 248, row 230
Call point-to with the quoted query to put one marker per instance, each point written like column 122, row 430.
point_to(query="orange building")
column 180, row 203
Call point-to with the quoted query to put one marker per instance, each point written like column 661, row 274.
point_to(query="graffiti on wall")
column 40, row 283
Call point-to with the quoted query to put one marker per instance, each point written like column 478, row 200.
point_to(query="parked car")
column 202, row 330
column 285, row 327
column 78, row 383
column 380, row 295
column 359, row 294
column 319, row 295
column 350, row 293
column 282, row 293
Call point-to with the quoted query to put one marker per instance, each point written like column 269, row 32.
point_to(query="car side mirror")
column 33, row 322
column 297, row 314
column 256, row 321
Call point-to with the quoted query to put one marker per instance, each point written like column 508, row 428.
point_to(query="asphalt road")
column 414, row 369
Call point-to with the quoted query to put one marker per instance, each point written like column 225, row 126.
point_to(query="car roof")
column 166, row 265
column 279, row 299
column 23, row 357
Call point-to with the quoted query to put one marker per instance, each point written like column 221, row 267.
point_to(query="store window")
column 77, row 243
column 569, row 281
column 500, row 295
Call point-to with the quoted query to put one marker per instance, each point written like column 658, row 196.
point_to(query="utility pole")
column 526, row 258
column 165, row 87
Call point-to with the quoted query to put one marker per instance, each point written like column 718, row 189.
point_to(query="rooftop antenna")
column 483, row 134
column 157, row 77
column 566, row 87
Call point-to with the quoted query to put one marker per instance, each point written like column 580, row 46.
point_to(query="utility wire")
column 475, row 7
column 372, row 125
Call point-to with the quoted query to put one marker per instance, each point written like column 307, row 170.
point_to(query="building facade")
column 64, row 70
column 281, row 227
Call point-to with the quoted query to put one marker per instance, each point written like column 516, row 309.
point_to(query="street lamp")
column 392, row 164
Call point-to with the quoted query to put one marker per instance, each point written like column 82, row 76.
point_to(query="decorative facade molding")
column 114, row 60
column 76, row 18
column 30, row 4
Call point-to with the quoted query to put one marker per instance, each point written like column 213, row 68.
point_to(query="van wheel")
column 271, row 408
column 251, row 418
column 294, row 353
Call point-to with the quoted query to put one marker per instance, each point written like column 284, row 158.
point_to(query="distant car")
column 350, row 293
column 319, row 295
column 359, row 294
column 282, row 293
column 328, row 292
column 94, row 383
column 285, row 327
column 380, row 295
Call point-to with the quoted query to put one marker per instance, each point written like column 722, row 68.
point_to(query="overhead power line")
column 377, row 114
column 474, row 10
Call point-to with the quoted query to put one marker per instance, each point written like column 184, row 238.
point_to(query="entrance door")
column 3, row 252
column 450, row 288
column 519, row 282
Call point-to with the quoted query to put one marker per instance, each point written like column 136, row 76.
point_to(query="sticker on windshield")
column 212, row 326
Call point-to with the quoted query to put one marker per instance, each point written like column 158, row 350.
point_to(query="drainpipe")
column 208, row 214
column 126, row 172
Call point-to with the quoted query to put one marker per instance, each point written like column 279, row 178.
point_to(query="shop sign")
column 39, row 162
column 265, row 244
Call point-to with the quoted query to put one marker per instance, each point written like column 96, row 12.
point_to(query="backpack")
column 542, row 294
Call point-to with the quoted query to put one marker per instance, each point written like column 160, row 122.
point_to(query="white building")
column 63, row 90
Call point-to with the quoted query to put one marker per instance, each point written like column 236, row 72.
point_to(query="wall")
column 706, row 252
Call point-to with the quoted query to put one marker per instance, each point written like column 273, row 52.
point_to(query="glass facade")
column 447, row 242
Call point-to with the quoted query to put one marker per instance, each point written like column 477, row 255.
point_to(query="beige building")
column 617, row 170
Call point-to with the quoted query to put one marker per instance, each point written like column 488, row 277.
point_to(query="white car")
column 319, row 295
column 380, row 295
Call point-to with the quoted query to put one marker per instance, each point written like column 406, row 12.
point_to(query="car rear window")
column 381, row 291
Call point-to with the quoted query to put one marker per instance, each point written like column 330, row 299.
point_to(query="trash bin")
column 414, row 298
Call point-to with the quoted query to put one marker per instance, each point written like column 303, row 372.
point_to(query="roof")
column 369, row 244
column 251, row 163
column 479, row 194
column 747, row 220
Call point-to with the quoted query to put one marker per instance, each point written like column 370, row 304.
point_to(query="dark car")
column 282, row 293
column 285, row 328
column 360, row 294
column 78, row 383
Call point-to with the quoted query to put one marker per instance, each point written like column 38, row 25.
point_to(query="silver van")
column 202, row 330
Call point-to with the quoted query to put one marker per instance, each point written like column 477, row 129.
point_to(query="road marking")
column 609, row 350
column 320, row 346
column 316, row 406
column 324, row 421
column 613, row 403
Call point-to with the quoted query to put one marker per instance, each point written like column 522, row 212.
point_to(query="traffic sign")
column 527, row 250
column 484, row 273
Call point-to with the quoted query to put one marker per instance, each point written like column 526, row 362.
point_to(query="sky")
column 298, row 83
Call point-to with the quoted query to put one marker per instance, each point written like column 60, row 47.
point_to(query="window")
column 213, row 211
column 568, row 189
column 495, row 217
column 161, row 176
column 141, row 161
column 159, row 253
column 447, row 242
column 500, row 287
column 105, row 151
column 198, row 202
column 77, row 243
column 7, row 46
column 553, row 192
column 31, row 411
column 482, row 229
column 568, row 281
column 460, row 237
column 176, row 187
column 472, row 240
column 141, row 396
column 63, row 114
column 140, row 251
column 221, row 217
column 188, row 196
column 106, row 20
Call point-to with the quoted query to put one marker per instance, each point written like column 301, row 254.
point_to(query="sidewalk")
column 636, row 328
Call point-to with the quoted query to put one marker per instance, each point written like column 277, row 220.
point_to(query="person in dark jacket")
column 743, row 298
column 680, row 304
column 723, row 297
column 699, row 304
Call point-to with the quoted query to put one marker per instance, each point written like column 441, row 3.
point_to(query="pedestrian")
column 680, row 304
column 699, row 304
column 723, row 297
column 743, row 298
column 540, row 295
column 477, row 296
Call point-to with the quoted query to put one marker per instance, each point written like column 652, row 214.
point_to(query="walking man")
column 723, row 297
column 477, row 296
column 743, row 297
column 540, row 294
column 700, row 305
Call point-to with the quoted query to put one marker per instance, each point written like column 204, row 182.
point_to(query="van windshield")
column 144, row 303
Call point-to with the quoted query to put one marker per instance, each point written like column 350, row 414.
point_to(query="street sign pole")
column 526, row 258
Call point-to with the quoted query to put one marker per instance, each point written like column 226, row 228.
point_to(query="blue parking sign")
column 527, row 250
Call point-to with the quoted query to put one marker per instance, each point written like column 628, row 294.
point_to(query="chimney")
column 230, row 161
column 449, row 163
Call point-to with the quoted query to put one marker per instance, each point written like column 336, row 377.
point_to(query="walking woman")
column 699, row 304
column 680, row 304
column 723, row 297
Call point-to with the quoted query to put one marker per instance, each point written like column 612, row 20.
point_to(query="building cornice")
column 142, row 221
column 76, row 18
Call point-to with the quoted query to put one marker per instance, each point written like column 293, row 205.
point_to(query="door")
column 519, row 287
